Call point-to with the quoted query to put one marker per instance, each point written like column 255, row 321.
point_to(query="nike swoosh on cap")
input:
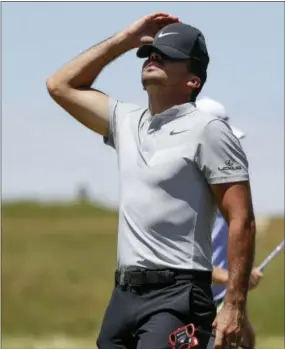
column 160, row 35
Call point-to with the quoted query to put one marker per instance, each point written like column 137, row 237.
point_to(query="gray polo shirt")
column 166, row 164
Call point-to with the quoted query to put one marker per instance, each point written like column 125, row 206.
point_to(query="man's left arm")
column 234, row 201
column 225, row 167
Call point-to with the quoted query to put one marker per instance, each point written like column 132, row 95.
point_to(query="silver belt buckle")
column 122, row 276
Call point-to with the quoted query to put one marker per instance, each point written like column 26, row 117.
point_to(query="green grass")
column 57, row 268
column 266, row 302
column 57, row 273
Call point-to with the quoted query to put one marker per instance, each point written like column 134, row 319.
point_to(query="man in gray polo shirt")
column 176, row 166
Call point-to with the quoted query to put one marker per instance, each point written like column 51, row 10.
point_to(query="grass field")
column 57, row 276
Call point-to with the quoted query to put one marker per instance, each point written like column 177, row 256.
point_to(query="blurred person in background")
column 172, row 160
column 220, row 238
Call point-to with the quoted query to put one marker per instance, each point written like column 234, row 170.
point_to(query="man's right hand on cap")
column 144, row 30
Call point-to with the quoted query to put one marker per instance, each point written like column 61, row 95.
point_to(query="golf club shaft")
column 265, row 262
column 271, row 256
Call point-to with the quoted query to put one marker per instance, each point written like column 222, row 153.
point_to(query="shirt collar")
column 176, row 111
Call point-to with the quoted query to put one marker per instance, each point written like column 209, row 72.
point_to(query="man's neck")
column 161, row 100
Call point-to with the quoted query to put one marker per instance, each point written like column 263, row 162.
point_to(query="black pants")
column 212, row 339
column 143, row 317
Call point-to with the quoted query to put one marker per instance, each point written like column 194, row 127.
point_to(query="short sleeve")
column 220, row 156
column 119, row 112
column 111, row 138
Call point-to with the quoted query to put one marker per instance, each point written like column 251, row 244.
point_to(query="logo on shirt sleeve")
column 229, row 166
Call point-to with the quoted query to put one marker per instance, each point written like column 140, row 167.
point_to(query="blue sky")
column 46, row 154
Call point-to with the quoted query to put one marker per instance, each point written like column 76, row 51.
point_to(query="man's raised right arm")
column 71, row 88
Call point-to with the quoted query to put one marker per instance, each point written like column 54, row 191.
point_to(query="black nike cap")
column 178, row 41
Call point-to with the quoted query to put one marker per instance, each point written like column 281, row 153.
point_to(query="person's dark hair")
column 197, row 68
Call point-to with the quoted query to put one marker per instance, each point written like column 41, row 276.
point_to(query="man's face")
column 159, row 70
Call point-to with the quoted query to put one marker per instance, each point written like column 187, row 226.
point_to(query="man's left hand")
column 228, row 325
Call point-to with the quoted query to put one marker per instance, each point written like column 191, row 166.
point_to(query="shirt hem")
column 219, row 180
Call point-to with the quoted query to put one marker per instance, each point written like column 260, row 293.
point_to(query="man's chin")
column 152, row 81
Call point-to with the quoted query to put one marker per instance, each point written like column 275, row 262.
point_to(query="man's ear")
column 194, row 82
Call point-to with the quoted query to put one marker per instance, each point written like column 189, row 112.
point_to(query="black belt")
column 140, row 277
